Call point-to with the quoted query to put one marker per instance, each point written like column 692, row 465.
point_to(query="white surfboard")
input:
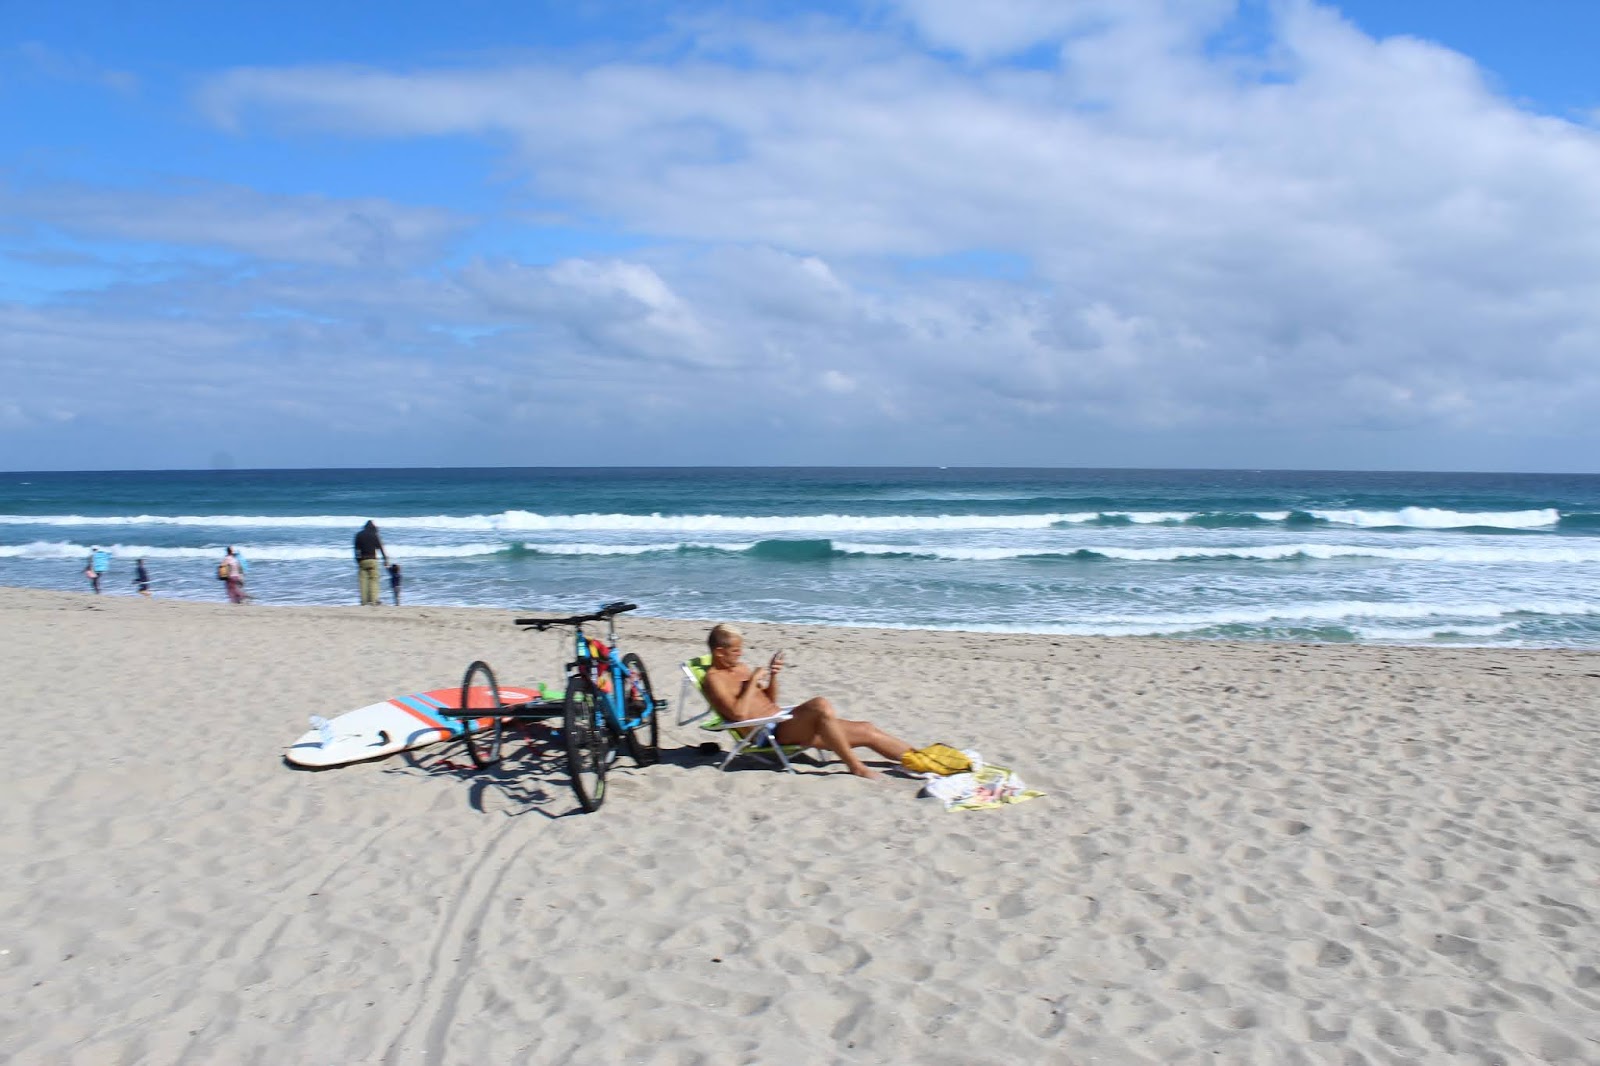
column 398, row 724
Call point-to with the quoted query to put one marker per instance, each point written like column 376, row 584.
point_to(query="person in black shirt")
column 368, row 547
column 141, row 578
column 394, row 582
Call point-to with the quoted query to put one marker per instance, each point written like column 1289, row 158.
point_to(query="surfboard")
column 398, row 724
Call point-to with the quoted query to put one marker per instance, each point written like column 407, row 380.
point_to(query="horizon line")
column 224, row 471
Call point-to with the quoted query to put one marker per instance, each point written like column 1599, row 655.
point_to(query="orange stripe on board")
column 424, row 719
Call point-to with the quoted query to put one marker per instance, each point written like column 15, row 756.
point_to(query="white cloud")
column 1329, row 234
column 834, row 381
column 353, row 232
column 41, row 60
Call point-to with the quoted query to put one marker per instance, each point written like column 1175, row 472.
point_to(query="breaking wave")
column 277, row 552
column 518, row 521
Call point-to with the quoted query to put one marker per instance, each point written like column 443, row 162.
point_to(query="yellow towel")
column 936, row 759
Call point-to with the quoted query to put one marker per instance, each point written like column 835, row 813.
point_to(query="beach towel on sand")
column 939, row 759
column 984, row 788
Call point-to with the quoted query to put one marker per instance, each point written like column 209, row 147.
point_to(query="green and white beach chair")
column 754, row 736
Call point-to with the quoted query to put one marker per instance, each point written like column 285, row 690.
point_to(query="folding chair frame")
column 762, row 735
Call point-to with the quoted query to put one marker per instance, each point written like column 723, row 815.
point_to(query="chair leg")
column 765, row 737
column 783, row 756
column 739, row 747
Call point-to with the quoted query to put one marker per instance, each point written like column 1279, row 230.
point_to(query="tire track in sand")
column 441, row 988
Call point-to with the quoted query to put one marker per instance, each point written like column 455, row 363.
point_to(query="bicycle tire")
column 637, row 695
column 484, row 745
column 588, row 742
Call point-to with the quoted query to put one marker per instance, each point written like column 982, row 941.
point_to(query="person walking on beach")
column 368, row 547
column 99, row 562
column 231, row 571
column 141, row 577
column 394, row 582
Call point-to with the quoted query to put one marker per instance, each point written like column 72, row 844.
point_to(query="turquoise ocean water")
column 1498, row 559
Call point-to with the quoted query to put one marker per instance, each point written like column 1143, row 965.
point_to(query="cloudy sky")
column 1025, row 232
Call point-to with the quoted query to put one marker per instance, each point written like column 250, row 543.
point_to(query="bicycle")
column 608, row 703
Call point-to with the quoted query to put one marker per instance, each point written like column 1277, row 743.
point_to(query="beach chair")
column 754, row 736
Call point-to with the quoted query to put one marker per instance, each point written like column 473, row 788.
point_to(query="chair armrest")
column 745, row 723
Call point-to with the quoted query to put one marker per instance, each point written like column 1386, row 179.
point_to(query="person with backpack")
column 99, row 562
column 231, row 572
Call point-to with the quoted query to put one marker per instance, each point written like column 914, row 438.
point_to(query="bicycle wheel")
column 588, row 743
column 639, row 699
column 480, row 692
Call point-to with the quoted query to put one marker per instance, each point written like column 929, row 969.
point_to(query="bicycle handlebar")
column 610, row 610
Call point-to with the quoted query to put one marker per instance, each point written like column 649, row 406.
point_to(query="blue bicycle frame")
column 613, row 697
column 608, row 701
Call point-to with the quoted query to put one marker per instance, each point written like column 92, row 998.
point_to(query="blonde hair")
column 722, row 635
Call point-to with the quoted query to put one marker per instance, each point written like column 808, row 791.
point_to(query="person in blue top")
column 99, row 562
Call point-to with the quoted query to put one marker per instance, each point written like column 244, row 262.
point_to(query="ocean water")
column 1411, row 558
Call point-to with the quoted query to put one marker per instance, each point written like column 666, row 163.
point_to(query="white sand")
column 1248, row 854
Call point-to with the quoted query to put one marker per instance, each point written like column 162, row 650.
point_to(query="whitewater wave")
column 627, row 549
column 820, row 549
column 802, row 550
column 1351, row 615
column 1453, row 631
column 518, row 521
column 530, row 522
column 1485, row 555
column 1439, row 518
column 51, row 550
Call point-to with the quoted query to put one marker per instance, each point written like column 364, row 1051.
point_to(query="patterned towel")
column 984, row 788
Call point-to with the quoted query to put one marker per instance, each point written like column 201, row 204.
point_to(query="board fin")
column 324, row 728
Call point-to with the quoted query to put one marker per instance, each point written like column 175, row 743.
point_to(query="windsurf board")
column 397, row 724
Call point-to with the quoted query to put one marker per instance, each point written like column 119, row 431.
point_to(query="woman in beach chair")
column 740, row 694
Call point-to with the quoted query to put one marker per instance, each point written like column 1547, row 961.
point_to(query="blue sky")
column 1034, row 232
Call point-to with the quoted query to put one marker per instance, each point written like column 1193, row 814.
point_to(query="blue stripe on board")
column 451, row 726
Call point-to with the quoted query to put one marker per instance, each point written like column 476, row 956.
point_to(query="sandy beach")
column 1246, row 854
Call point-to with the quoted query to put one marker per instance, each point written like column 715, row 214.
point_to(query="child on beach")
column 394, row 582
column 141, row 577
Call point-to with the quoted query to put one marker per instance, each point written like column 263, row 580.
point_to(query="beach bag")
column 222, row 570
column 939, row 759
